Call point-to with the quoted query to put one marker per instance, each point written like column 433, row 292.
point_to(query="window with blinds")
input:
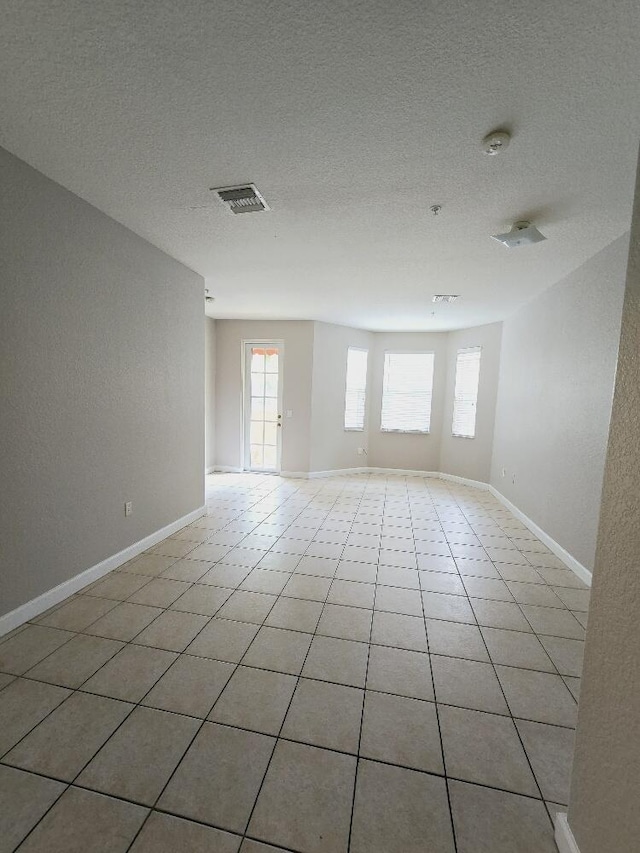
column 407, row 389
column 355, row 397
column 465, row 396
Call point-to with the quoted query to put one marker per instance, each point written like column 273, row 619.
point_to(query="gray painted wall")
column 557, row 368
column 209, row 393
column 101, row 353
column 471, row 457
column 605, row 788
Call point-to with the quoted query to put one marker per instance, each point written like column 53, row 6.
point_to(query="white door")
column 262, row 405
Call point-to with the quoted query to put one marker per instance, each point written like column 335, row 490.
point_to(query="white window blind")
column 465, row 397
column 406, row 392
column 356, row 389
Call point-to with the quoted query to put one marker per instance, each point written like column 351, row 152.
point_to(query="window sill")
column 467, row 437
column 407, row 431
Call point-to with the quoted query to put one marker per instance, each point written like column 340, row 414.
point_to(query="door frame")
column 245, row 454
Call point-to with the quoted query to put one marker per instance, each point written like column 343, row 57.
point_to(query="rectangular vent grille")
column 445, row 297
column 242, row 199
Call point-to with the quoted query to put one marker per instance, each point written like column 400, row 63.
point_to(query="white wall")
column 298, row 369
column 400, row 450
column 471, row 457
column 209, row 393
column 331, row 445
column 101, row 387
column 557, row 368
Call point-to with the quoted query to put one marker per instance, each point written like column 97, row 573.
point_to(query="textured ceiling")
column 352, row 118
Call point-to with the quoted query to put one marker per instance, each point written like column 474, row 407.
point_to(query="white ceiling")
column 353, row 117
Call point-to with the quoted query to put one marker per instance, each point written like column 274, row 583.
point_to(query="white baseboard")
column 53, row 596
column 464, row 481
column 209, row 470
column 577, row 568
column 337, row 472
column 404, row 472
column 565, row 841
column 226, row 469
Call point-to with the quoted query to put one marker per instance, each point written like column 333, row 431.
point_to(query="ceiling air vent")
column 243, row 199
column 445, row 297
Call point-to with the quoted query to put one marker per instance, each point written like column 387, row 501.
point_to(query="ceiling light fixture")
column 445, row 297
column 496, row 142
column 523, row 233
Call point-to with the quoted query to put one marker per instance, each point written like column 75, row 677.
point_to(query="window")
column 406, row 391
column 465, row 396
column 356, row 390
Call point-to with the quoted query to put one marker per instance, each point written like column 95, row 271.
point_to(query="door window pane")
column 271, row 433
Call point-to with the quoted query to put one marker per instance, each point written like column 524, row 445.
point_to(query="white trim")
column 295, row 475
column 464, row 481
column 565, row 841
column 209, row 470
column 228, row 469
column 404, row 472
column 48, row 599
column 577, row 568
column 337, row 472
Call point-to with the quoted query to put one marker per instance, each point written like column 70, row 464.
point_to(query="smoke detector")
column 522, row 234
column 496, row 142
column 245, row 198
column 445, row 297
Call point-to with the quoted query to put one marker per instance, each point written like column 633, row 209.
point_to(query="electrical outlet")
column 504, row 472
column 513, row 479
column 128, row 508
column 362, row 451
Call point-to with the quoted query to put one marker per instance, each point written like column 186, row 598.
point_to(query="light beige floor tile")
column 251, row 607
column 430, row 563
column 484, row 748
column 347, row 623
column 559, row 576
column 546, row 561
column 175, row 547
column 326, row 715
column 279, row 650
column 550, row 751
column 218, row 779
column 296, row 614
column 321, row 567
column 402, row 632
column 349, row 570
column 398, row 577
column 445, row 582
column 23, row 704
column 250, row 846
column 394, row 600
column 491, row 588
column 131, row 673
column 190, row 686
column 519, row 574
column 210, row 553
column 5, row 679
column 515, row 648
column 567, row 655
column 477, row 568
column 25, row 798
column 401, row 731
column 264, row 580
column 534, row 593
column 306, row 586
column 117, row 585
column 467, row 684
column 30, row 646
column 352, row 594
column 139, row 758
column 224, row 640
column 226, row 576
column 305, row 802
column 150, row 565
column 172, row 630
column 255, row 699
column 452, row 608
column 574, row 599
column 279, row 562
column 159, row 592
column 489, row 821
column 399, row 671
column 554, row 622
column 69, row 737
column 187, row 570
column 163, row 833
column 456, row 639
column 189, row 535
column 574, row 686
column 124, row 621
column 78, row 613
column 398, row 810
column 202, row 599
column 538, row 696
column 83, row 820
column 499, row 614
column 581, row 617
column 340, row 661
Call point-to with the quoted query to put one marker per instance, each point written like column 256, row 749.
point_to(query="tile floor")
column 368, row 664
